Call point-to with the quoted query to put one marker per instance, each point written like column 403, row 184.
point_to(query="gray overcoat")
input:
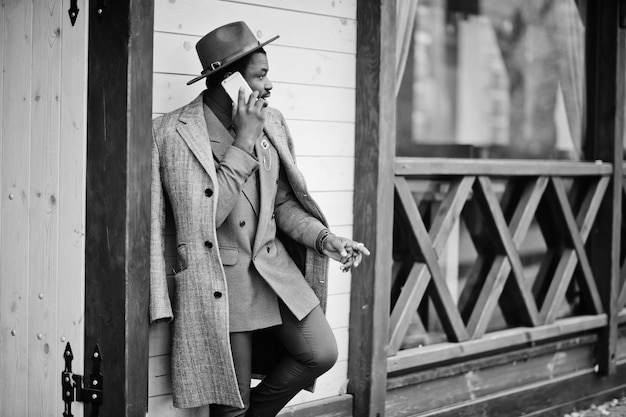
column 184, row 177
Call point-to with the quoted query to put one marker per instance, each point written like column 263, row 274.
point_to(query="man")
column 252, row 246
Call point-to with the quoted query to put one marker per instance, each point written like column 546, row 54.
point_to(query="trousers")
column 312, row 350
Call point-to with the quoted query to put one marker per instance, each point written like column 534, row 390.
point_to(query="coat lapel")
column 220, row 137
column 267, row 185
column 221, row 140
column 193, row 129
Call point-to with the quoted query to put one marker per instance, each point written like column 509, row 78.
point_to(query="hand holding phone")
column 233, row 83
column 248, row 115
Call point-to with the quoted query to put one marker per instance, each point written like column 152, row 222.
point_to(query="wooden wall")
column 312, row 67
column 42, row 202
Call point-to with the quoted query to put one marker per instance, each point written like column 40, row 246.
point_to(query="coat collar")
column 220, row 137
column 193, row 129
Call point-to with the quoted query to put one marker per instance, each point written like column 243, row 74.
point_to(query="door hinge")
column 73, row 387
column 73, row 11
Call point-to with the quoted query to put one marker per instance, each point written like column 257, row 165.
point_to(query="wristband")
column 321, row 240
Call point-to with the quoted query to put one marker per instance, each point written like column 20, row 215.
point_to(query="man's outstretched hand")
column 346, row 251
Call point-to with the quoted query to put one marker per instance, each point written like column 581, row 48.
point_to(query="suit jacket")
column 185, row 176
column 248, row 234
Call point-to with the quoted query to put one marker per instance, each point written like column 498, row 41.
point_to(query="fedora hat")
column 224, row 46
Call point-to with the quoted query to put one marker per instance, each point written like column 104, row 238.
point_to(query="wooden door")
column 42, row 206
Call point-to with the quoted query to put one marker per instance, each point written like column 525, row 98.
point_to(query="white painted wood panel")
column 14, row 299
column 338, row 308
column 338, row 282
column 176, row 54
column 72, row 194
column 295, row 101
column 336, row 206
column 339, row 8
column 328, row 173
column 42, row 202
column 319, row 138
column 303, row 30
column 43, row 387
column 341, row 335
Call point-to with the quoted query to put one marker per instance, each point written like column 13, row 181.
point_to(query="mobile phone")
column 233, row 83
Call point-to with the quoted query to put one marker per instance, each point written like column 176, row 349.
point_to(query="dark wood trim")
column 431, row 355
column 511, row 356
column 373, row 204
column 603, row 141
column 553, row 398
column 428, row 167
column 486, row 378
column 117, row 258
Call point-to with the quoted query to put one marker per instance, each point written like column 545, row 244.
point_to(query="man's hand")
column 346, row 251
column 248, row 119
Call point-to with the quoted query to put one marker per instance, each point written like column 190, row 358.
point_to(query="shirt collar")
column 222, row 114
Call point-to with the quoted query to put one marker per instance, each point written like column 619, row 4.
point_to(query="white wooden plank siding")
column 295, row 101
column 72, row 195
column 312, row 67
column 14, row 299
column 42, row 205
column 43, row 350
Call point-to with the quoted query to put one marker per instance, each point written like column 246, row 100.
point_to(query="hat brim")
column 236, row 58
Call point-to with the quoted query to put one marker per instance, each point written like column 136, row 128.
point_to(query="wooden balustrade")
column 497, row 201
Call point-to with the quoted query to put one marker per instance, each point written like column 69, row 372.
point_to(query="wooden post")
column 373, row 202
column 119, row 131
column 603, row 140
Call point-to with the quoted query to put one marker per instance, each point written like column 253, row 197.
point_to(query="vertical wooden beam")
column 603, row 140
column 373, row 202
column 118, row 200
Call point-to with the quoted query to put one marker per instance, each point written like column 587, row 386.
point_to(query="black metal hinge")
column 73, row 11
column 72, row 384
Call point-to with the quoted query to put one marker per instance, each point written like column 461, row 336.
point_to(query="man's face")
column 256, row 75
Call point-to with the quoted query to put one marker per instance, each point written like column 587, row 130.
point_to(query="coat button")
column 217, row 294
column 208, row 192
column 242, row 223
column 208, row 244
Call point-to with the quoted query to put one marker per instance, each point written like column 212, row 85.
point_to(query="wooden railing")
column 498, row 202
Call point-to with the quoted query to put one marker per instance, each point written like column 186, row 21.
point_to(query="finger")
column 348, row 262
column 233, row 112
column 338, row 246
column 345, row 267
column 261, row 103
column 360, row 247
column 332, row 255
column 241, row 98
column 346, row 259
column 263, row 111
column 252, row 101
